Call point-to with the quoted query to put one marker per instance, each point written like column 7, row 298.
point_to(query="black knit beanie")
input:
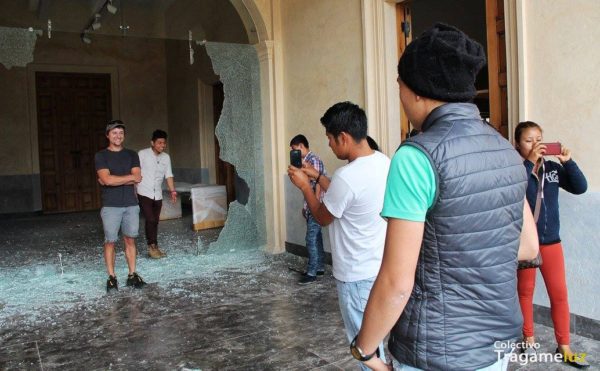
column 442, row 64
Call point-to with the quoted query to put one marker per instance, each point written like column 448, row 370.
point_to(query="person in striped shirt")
column 314, row 236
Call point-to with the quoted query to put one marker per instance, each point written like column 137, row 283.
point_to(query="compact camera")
column 553, row 149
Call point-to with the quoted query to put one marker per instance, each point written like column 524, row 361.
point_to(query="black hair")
column 299, row 139
column 522, row 127
column 345, row 117
column 158, row 134
column 372, row 143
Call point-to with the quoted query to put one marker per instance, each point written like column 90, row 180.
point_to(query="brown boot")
column 153, row 251
column 162, row 253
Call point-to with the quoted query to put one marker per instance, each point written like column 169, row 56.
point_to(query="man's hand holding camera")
column 299, row 178
column 310, row 171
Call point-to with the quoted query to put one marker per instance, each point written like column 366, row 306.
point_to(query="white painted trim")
column 270, row 56
column 260, row 25
column 382, row 103
column 247, row 20
column 512, row 64
column 32, row 68
column 207, row 131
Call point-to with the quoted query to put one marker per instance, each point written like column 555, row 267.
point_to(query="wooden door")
column 496, row 41
column 404, row 32
column 72, row 111
column 225, row 172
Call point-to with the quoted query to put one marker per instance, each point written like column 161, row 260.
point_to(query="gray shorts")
column 125, row 218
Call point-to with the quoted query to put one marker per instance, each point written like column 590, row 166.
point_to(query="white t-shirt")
column 154, row 170
column 357, row 234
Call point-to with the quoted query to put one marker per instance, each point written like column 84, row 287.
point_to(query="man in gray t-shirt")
column 118, row 171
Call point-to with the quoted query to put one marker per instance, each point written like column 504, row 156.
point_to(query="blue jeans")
column 500, row 365
column 352, row 297
column 314, row 245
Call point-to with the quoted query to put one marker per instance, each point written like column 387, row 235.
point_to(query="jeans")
column 314, row 245
column 352, row 298
column 500, row 365
column 125, row 218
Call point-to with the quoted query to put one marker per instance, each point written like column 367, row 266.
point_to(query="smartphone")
column 553, row 149
column 296, row 158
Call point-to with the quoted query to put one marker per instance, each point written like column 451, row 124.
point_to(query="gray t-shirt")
column 119, row 164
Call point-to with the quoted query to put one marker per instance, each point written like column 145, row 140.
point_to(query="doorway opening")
column 482, row 21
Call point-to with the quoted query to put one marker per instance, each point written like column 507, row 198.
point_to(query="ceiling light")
column 96, row 24
column 111, row 8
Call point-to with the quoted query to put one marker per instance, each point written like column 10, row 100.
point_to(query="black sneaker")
column 306, row 279
column 112, row 284
column 319, row 273
column 135, row 280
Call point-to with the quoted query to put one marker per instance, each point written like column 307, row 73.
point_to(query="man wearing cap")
column 457, row 223
column 118, row 170
column 156, row 166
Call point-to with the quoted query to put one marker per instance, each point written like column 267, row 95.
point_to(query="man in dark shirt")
column 118, row 171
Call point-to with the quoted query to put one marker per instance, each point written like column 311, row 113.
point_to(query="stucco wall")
column 141, row 76
column 323, row 65
column 141, row 97
column 561, row 76
column 561, row 88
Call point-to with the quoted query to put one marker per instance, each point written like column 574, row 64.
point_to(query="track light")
column 96, row 24
column 111, row 8
column 85, row 37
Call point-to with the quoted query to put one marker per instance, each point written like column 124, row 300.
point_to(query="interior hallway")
column 202, row 309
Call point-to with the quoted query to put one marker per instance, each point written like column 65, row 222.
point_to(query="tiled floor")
column 244, row 312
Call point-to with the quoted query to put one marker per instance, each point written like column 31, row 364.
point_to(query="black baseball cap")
column 114, row 124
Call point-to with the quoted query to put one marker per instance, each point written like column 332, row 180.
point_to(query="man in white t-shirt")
column 352, row 205
column 156, row 166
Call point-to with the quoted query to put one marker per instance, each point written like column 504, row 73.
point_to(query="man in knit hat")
column 457, row 223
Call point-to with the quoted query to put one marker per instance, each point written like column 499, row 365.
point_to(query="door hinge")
column 406, row 29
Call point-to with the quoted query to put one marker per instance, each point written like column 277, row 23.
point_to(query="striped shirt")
column 314, row 161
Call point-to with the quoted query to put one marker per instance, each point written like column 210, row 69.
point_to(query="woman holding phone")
column 545, row 179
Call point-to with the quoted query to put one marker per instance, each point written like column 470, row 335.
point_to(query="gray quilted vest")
column 465, row 292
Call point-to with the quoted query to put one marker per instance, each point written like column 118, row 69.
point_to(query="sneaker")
column 135, row 280
column 154, row 252
column 319, row 273
column 306, row 279
column 112, row 284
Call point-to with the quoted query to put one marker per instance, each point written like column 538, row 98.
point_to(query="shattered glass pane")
column 36, row 282
column 239, row 132
column 16, row 46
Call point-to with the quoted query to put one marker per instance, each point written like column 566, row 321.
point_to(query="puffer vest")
column 464, row 298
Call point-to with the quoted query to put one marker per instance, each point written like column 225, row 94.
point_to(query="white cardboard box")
column 209, row 206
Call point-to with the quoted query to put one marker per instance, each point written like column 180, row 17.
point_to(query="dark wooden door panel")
column 497, row 73
column 225, row 171
column 72, row 112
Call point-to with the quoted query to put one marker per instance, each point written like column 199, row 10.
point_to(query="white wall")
column 561, row 85
column 323, row 65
